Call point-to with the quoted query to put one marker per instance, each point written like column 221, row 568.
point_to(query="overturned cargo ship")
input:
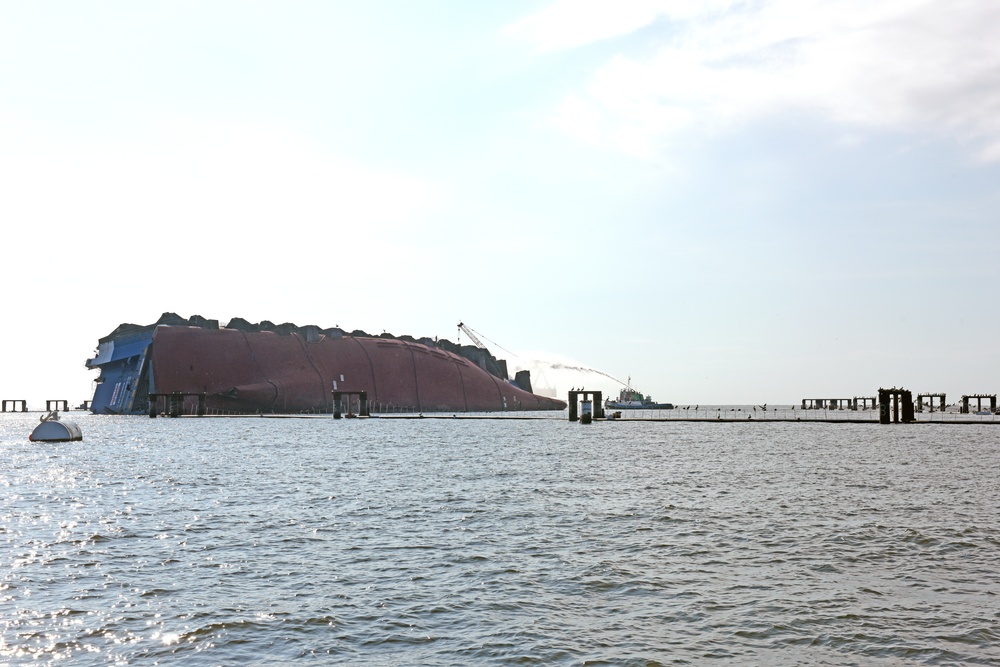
column 245, row 368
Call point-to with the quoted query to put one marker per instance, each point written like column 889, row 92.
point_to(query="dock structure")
column 174, row 403
column 577, row 395
column 836, row 403
column 14, row 402
column 56, row 403
column 920, row 401
column 865, row 400
column 338, row 398
column 979, row 402
column 899, row 400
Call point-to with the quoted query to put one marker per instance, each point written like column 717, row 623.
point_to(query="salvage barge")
column 246, row 368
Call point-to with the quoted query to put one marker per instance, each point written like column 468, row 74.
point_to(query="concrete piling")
column 576, row 395
column 362, row 403
column 979, row 402
column 898, row 400
column 174, row 403
column 921, row 397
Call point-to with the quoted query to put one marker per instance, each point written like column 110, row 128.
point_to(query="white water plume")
column 556, row 378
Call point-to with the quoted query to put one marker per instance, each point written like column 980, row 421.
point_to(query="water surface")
column 473, row 542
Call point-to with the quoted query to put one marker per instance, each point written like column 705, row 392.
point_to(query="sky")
column 727, row 202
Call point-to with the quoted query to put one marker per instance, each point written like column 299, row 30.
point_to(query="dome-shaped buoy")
column 53, row 430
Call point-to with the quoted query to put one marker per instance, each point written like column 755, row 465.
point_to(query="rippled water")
column 475, row 542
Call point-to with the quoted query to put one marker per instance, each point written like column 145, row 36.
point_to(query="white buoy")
column 53, row 430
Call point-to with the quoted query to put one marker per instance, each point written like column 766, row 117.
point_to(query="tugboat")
column 630, row 399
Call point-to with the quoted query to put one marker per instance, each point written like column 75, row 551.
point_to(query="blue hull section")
column 124, row 383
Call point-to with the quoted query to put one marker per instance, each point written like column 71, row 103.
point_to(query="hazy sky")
column 727, row 201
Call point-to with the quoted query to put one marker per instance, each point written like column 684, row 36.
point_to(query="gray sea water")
column 255, row 541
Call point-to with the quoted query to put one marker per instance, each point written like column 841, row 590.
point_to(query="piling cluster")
column 21, row 405
column 895, row 406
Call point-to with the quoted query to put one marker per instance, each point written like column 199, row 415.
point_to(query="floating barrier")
column 52, row 429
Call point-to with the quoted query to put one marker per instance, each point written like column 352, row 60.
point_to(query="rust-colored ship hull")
column 238, row 371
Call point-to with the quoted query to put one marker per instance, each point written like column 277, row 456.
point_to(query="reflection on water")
column 442, row 542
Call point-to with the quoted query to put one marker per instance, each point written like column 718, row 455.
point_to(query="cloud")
column 920, row 66
column 570, row 23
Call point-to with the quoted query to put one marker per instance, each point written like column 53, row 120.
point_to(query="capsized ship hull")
column 241, row 371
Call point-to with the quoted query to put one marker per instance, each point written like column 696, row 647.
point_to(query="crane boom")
column 468, row 332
